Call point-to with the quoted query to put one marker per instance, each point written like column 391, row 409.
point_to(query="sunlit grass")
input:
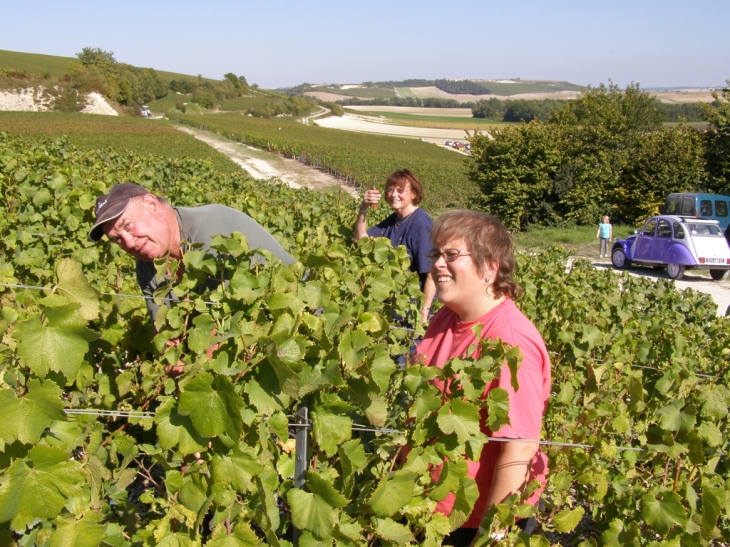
column 579, row 240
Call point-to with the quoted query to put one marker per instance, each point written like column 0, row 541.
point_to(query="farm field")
column 359, row 92
column 420, row 111
column 36, row 63
column 138, row 135
column 437, row 122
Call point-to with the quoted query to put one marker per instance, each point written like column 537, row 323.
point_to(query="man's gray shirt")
column 199, row 225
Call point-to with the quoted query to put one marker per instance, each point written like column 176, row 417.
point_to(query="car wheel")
column 675, row 271
column 717, row 275
column 619, row 260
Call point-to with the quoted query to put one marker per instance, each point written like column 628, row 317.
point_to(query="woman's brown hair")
column 403, row 178
column 486, row 239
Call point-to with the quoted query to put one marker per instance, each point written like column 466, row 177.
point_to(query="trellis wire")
column 120, row 295
column 633, row 366
column 355, row 427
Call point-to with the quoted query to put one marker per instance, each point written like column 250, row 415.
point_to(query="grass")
column 167, row 102
column 405, row 92
column 439, row 122
column 579, row 240
column 530, row 87
column 55, row 66
column 35, row 63
column 244, row 103
column 365, row 92
column 118, row 133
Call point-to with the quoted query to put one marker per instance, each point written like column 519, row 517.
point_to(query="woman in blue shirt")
column 409, row 225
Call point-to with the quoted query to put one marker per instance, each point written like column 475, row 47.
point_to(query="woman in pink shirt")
column 472, row 263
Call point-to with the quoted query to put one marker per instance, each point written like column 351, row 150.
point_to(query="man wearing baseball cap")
column 147, row 227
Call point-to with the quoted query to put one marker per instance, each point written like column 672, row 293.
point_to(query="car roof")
column 684, row 219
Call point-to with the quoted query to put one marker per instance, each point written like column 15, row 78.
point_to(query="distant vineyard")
column 358, row 158
column 122, row 133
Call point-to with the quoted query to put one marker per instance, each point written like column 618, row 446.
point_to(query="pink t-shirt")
column 448, row 337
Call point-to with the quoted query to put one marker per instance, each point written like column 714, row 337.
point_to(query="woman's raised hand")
column 370, row 198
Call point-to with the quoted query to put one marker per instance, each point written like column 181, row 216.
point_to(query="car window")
column 649, row 228
column 672, row 206
column 688, row 206
column 705, row 208
column 664, row 229
column 697, row 229
column 678, row 231
column 720, row 208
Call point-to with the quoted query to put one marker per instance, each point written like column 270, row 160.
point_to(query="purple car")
column 679, row 243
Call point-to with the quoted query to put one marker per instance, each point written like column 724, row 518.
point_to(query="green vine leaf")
column 84, row 532
column 390, row 530
column 311, row 512
column 175, row 429
column 331, row 430
column 460, row 418
column 73, row 284
column 663, row 511
column 213, row 406
column 26, row 418
column 567, row 520
column 392, row 494
column 38, row 486
column 59, row 346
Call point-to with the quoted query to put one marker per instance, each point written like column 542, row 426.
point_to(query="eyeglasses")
column 449, row 254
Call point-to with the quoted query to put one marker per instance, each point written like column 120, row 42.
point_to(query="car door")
column 645, row 241
column 662, row 241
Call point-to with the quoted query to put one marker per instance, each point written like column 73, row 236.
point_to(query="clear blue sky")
column 283, row 43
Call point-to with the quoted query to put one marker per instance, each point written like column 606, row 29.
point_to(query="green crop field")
column 516, row 88
column 169, row 101
column 55, row 66
column 35, row 63
column 119, row 133
column 364, row 92
column 440, row 122
column 244, row 103
column 405, row 92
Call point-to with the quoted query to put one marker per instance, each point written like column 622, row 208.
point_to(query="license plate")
column 716, row 261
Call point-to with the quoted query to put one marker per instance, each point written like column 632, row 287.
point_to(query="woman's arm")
column 371, row 197
column 361, row 225
column 511, row 471
column 429, row 291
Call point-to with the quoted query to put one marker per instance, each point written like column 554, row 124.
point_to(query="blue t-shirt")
column 605, row 230
column 413, row 232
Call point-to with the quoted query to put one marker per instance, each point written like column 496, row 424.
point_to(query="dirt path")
column 264, row 165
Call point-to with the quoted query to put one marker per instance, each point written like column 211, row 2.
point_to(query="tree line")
column 518, row 110
column 607, row 152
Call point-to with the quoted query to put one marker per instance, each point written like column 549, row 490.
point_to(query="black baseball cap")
column 113, row 204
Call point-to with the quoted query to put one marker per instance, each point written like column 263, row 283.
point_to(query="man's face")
column 141, row 230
